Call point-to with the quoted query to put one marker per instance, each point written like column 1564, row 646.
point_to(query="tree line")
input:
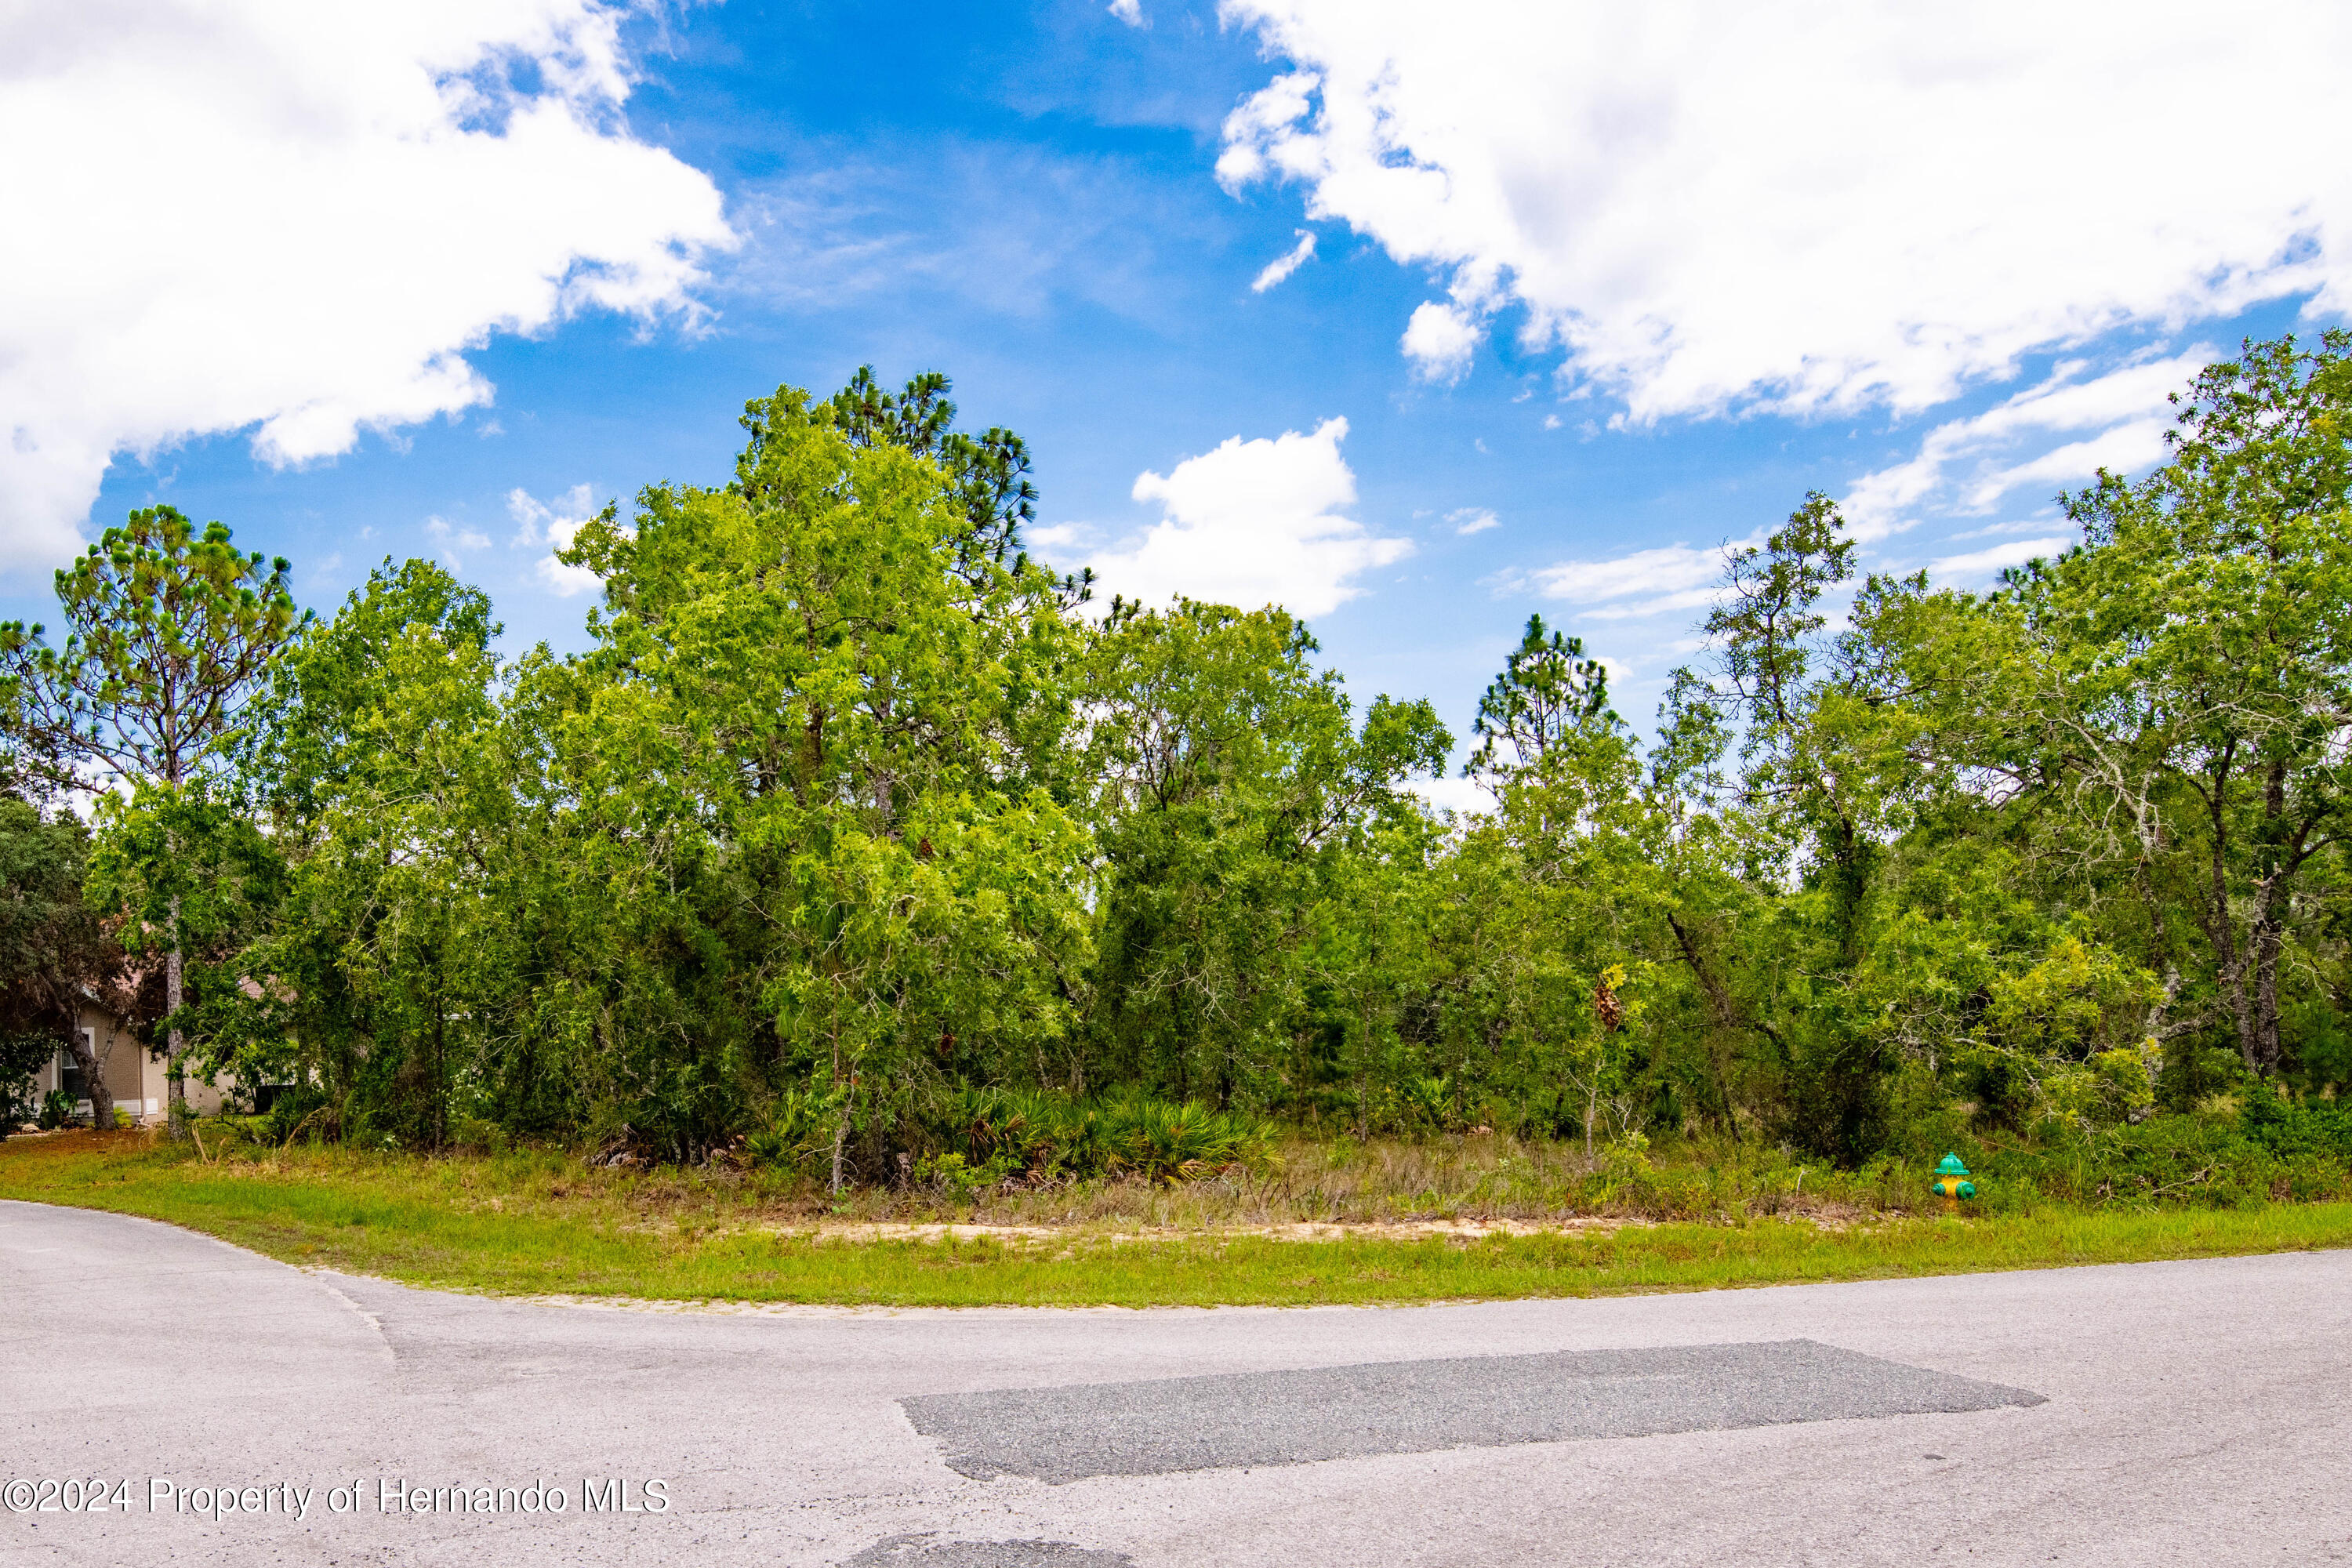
column 851, row 807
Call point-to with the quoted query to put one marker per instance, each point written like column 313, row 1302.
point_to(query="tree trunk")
column 93, row 1079
column 2153, row 1030
column 1727, row 1016
column 2229, row 975
column 177, row 1117
column 439, row 1130
column 2268, row 945
column 2267, row 938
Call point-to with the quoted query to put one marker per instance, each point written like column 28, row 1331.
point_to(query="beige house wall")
column 138, row 1079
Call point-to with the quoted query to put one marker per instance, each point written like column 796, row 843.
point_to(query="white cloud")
column 1969, row 464
column 1440, row 341
column 1465, row 797
column 329, row 206
column 1057, row 536
column 1251, row 523
column 553, row 523
column 1707, row 208
column 1472, row 520
column 1129, row 11
column 455, row 540
column 1282, row 265
column 2001, row 529
column 1984, row 563
column 1645, row 582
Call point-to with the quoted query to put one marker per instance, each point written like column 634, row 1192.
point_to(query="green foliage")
column 798, row 1130
column 1237, row 810
column 299, row 1112
column 182, row 870
column 853, row 843
column 1173, row 1142
column 1548, row 690
column 50, row 942
column 21, row 1058
column 52, row 946
column 169, row 636
column 2289, row 1127
column 984, row 1137
column 169, row 632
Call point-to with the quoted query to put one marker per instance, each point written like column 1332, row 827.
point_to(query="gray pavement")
column 241, row 1412
column 1240, row 1419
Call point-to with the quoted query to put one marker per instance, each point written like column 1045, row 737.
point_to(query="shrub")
column 2164, row 1160
column 21, row 1056
column 2291, row 1127
column 800, row 1126
column 953, row 1173
column 1039, row 1138
column 301, row 1111
column 1167, row 1143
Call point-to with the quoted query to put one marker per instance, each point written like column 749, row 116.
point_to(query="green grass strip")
column 450, row 1225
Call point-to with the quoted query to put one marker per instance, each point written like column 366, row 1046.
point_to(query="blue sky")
column 1597, row 277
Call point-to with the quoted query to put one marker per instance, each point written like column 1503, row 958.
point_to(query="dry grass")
column 1489, row 1181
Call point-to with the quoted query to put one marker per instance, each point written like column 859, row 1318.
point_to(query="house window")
column 69, row 1074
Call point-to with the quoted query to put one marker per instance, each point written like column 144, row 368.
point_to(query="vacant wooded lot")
column 865, row 869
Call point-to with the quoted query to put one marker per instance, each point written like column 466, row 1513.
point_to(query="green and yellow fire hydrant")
column 1952, row 1183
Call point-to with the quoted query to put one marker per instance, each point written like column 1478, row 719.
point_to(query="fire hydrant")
column 1952, row 1183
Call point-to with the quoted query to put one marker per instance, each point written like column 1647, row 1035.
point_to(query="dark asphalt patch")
column 923, row 1552
column 1418, row 1406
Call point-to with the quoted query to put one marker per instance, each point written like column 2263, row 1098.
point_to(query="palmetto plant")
column 1167, row 1143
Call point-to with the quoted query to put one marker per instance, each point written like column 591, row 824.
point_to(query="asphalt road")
column 241, row 1412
